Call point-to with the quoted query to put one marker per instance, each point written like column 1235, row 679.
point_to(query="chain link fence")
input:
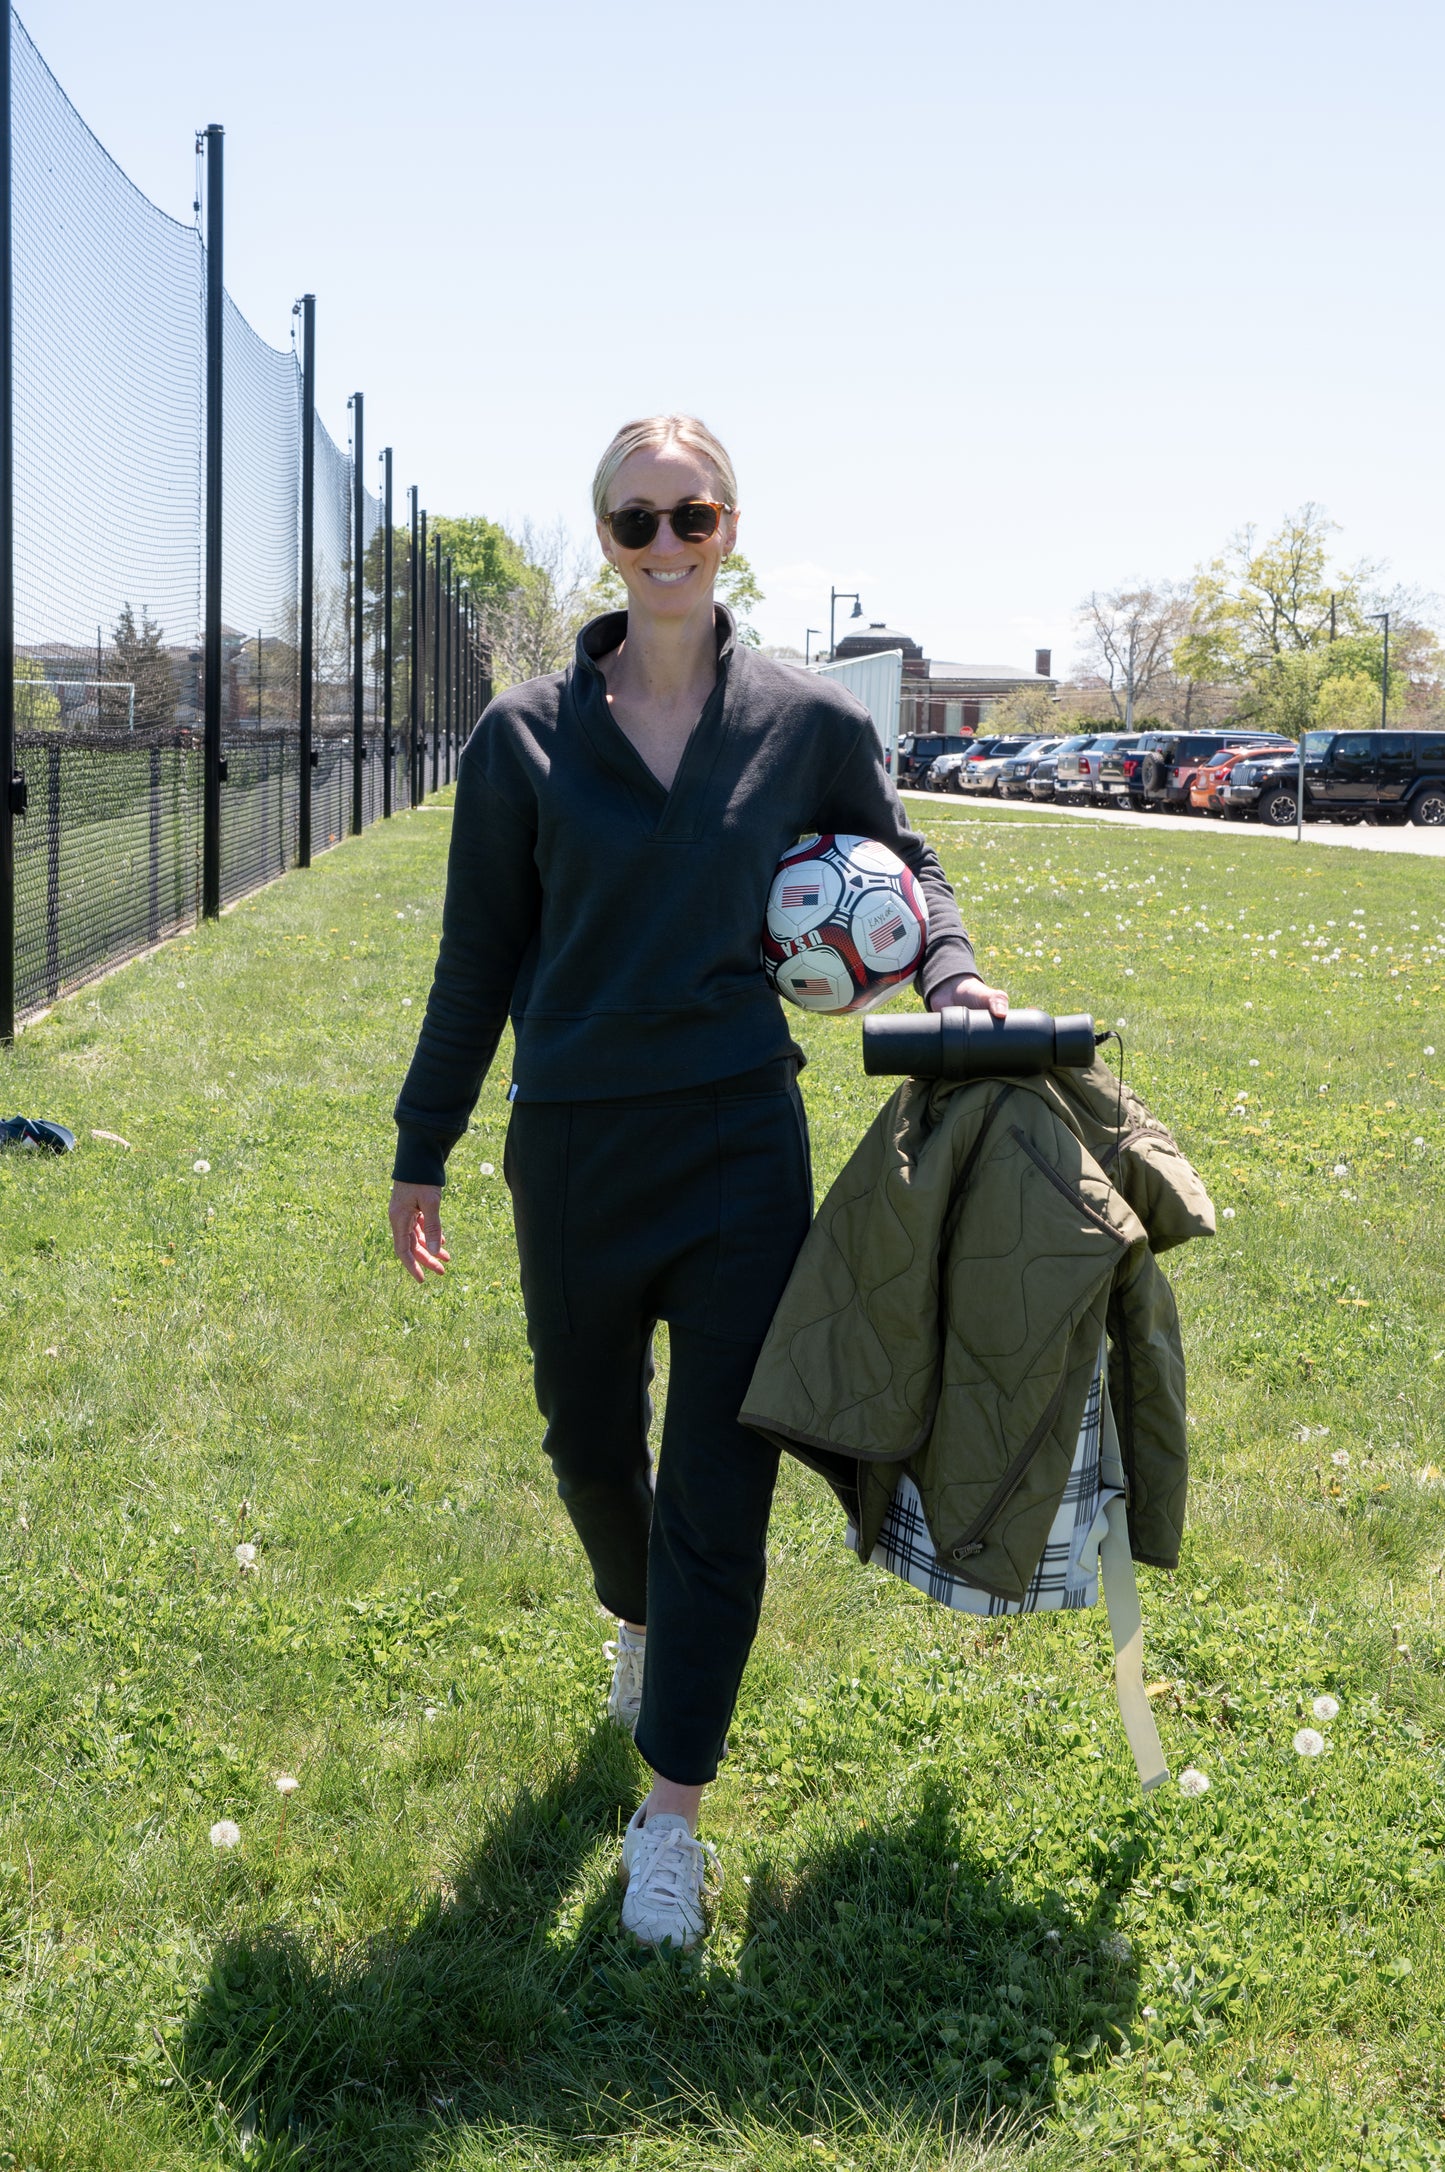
column 106, row 820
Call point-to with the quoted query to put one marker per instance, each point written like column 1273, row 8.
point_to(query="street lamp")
column 1385, row 673
column 808, row 634
column 835, row 597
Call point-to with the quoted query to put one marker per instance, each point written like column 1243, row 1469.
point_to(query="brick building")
column 939, row 697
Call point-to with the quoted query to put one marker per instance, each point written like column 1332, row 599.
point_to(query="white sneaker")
column 624, row 1699
column 665, row 1871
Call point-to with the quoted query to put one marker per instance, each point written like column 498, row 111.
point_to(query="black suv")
column 1386, row 777
column 917, row 752
column 1158, row 771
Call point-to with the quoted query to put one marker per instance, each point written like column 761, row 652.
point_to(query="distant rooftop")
column 1009, row 672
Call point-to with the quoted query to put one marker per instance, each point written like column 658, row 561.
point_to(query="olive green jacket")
column 945, row 1313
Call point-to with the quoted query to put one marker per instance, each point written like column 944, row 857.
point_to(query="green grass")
column 951, row 1931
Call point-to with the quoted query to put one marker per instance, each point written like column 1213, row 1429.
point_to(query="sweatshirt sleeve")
column 493, row 905
column 862, row 801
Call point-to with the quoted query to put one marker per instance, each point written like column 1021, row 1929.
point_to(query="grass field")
column 951, row 1931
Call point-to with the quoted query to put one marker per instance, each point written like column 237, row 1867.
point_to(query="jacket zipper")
column 1061, row 1184
column 1012, row 1478
column 1124, row 1415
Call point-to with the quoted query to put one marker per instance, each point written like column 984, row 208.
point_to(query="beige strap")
column 1126, row 1625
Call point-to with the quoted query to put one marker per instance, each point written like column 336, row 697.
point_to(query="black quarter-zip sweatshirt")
column 619, row 922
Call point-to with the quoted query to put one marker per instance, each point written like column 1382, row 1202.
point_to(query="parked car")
column 941, row 773
column 1076, row 776
column 1041, row 783
column 1171, row 762
column 980, row 773
column 1015, row 779
column 1384, row 777
column 1118, row 780
column 917, row 751
column 1206, row 793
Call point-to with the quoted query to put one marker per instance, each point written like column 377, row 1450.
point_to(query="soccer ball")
column 846, row 923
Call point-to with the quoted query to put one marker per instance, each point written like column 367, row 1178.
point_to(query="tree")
column 1129, row 637
column 490, row 561
column 138, row 657
column 37, row 705
column 532, row 625
column 737, row 587
column 1259, row 601
column 1030, row 709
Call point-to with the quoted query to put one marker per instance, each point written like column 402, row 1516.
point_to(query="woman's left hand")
column 970, row 994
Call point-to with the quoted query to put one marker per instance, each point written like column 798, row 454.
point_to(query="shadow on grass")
column 886, row 1976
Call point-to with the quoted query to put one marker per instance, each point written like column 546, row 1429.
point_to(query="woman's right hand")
column 415, row 1214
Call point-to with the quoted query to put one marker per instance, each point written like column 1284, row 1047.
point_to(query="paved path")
column 1430, row 843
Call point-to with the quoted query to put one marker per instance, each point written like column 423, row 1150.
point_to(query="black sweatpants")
column 687, row 1207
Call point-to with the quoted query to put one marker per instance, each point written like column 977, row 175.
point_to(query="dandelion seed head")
column 1429, row 1052
column 1193, row 1782
column 1341, row 1168
column 1309, row 1742
column 1117, row 1947
column 430, row 1713
column 1340, row 1457
column 489, row 1168
column 201, row 1168
column 1326, row 1708
column 286, row 1784
column 1228, row 1214
column 225, row 1833
column 245, row 1555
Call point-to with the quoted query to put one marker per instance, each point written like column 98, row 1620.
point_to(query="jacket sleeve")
column 861, row 800
column 1146, row 1388
column 493, row 905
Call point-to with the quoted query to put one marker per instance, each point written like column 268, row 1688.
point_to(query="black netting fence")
column 108, row 808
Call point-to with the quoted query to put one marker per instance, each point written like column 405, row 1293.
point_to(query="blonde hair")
column 660, row 430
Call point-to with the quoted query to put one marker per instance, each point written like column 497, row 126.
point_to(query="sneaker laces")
column 675, row 1869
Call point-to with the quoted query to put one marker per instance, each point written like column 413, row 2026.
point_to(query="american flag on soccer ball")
column 806, row 986
column 885, row 937
column 799, row 893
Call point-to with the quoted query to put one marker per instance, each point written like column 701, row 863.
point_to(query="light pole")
column 1385, row 671
column 808, row 635
column 835, row 597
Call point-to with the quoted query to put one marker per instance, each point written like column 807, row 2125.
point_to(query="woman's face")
column 667, row 578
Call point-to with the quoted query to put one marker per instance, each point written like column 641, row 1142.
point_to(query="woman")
column 617, row 828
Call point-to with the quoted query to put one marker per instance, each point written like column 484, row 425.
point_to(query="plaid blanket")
column 1067, row 1576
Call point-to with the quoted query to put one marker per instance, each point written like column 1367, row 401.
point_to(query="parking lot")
column 1362, row 838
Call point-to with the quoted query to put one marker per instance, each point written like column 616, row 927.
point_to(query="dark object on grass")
column 36, row 1132
column 958, row 1043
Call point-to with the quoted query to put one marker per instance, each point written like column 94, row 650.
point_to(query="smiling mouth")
column 668, row 578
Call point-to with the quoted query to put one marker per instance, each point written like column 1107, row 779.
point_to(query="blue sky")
column 992, row 305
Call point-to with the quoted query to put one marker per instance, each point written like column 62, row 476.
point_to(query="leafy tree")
column 1030, row 709
column 490, row 561
column 37, row 705
column 1260, row 601
column 531, row 625
column 137, row 655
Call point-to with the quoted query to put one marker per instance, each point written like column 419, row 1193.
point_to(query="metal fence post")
column 424, row 603
column 215, row 139
column 451, row 666
column 413, row 713
column 52, row 870
column 436, row 666
column 358, row 611
column 387, row 572
column 153, row 898
column 10, row 793
column 308, row 540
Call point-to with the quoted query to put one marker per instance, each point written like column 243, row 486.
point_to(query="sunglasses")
column 635, row 526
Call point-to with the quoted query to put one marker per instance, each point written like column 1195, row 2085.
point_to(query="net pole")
column 358, row 644
column 413, row 713
column 436, row 665
column 387, row 575
column 423, row 621
column 308, row 549
column 10, row 790
column 215, row 140
column 451, row 666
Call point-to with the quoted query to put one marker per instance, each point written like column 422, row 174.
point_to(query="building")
column 939, row 697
